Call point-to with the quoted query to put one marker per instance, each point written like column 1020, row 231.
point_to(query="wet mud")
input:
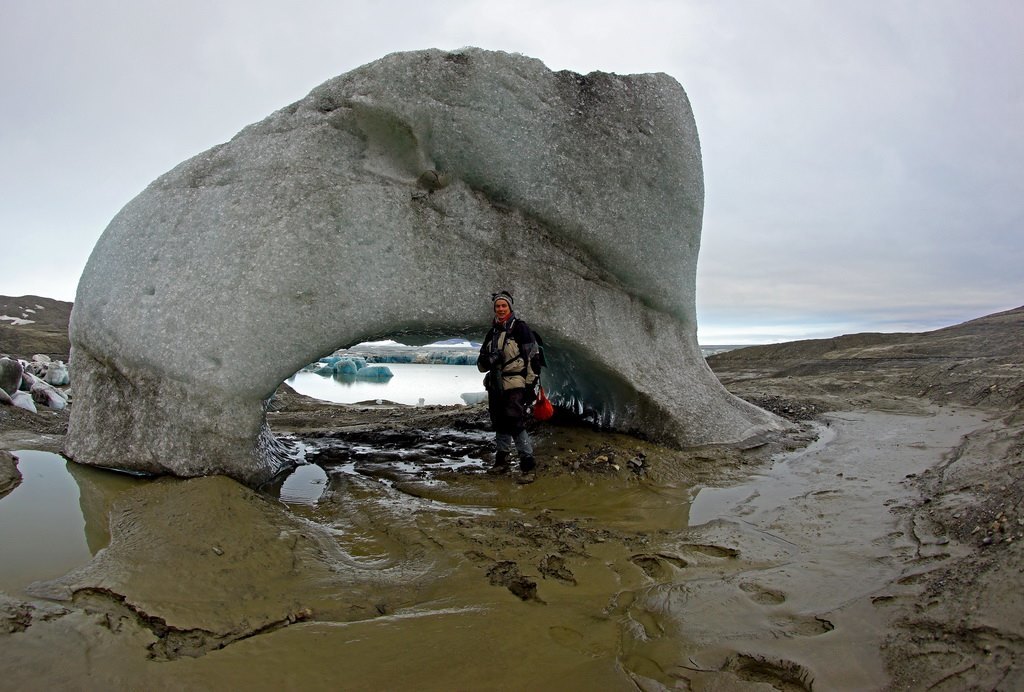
column 392, row 559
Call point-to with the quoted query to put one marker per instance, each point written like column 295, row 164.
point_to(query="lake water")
column 434, row 384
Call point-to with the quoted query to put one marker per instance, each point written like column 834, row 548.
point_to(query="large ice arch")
column 393, row 200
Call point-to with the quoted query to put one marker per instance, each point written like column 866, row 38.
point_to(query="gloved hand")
column 493, row 360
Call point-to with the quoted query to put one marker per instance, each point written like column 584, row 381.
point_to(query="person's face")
column 501, row 309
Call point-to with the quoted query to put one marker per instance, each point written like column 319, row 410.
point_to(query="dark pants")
column 509, row 416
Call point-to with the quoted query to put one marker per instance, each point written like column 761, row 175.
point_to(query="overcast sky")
column 864, row 160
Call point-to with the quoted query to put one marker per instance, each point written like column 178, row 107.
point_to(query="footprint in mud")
column 711, row 550
column 799, row 626
column 762, row 595
column 912, row 579
column 803, row 626
column 658, row 566
column 780, row 674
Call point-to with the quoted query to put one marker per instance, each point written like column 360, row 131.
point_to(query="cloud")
column 863, row 162
column 869, row 169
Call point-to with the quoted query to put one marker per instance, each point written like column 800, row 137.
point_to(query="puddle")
column 52, row 522
column 304, row 486
column 42, row 530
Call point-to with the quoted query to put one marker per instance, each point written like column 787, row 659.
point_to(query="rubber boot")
column 527, row 464
column 501, row 463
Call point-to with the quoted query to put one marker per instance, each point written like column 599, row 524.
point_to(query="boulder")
column 11, row 372
column 327, row 224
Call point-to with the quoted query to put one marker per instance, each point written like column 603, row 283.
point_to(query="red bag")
column 542, row 408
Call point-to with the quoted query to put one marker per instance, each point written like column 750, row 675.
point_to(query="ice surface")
column 582, row 194
column 23, row 399
column 57, row 374
column 347, row 367
column 338, row 365
column 375, row 372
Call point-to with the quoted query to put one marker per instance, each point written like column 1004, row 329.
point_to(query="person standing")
column 510, row 356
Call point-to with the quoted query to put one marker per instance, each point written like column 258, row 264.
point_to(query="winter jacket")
column 510, row 349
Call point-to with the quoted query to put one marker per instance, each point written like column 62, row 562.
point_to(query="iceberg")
column 316, row 230
column 57, row 374
column 347, row 366
column 375, row 372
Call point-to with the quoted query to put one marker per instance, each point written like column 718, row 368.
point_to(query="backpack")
column 537, row 361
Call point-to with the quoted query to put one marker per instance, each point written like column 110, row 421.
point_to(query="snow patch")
column 16, row 321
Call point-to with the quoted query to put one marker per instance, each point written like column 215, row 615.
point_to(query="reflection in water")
column 56, row 520
column 98, row 488
column 41, row 527
column 304, row 486
column 412, row 382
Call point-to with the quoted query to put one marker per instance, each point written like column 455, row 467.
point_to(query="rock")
column 15, row 616
column 28, row 380
column 38, row 365
column 432, row 180
column 5, row 398
column 10, row 476
column 506, row 573
column 310, row 230
column 10, row 375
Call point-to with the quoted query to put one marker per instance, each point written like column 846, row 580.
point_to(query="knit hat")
column 502, row 295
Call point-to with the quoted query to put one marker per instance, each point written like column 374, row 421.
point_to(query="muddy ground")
column 876, row 545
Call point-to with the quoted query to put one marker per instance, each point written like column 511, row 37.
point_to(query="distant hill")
column 33, row 324
column 995, row 335
column 980, row 361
